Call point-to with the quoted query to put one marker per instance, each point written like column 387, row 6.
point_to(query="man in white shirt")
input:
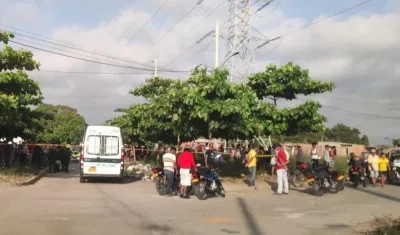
column 169, row 160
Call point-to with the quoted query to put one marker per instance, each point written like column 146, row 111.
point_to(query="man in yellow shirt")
column 373, row 162
column 383, row 168
column 252, row 164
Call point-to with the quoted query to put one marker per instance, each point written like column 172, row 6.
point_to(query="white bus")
column 102, row 153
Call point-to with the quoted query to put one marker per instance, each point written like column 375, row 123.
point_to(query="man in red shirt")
column 186, row 162
column 282, row 171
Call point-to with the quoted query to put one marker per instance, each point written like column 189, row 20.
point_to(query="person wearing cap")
column 373, row 162
column 186, row 163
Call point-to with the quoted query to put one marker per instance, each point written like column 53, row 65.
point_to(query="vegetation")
column 22, row 112
column 208, row 105
column 338, row 133
column 386, row 225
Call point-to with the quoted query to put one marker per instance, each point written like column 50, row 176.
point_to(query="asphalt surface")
column 59, row 204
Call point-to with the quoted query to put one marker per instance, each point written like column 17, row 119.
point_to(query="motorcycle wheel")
column 221, row 190
column 318, row 191
column 160, row 186
column 355, row 184
column 336, row 189
column 298, row 179
column 340, row 185
column 200, row 191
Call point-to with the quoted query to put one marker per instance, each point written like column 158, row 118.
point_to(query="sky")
column 356, row 49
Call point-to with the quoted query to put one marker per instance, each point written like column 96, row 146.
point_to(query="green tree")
column 396, row 142
column 342, row 133
column 18, row 93
column 287, row 82
column 208, row 105
column 60, row 124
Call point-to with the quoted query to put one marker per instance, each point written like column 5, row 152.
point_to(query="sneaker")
column 278, row 194
column 286, row 193
column 186, row 197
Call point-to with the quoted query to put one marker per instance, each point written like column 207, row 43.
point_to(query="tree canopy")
column 342, row 133
column 22, row 112
column 208, row 105
column 59, row 125
column 18, row 93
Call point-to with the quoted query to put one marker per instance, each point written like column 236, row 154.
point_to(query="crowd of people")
column 19, row 154
column 374, row 165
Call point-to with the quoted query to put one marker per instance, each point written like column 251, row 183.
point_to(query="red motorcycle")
column 298, row 176
column 356, row 176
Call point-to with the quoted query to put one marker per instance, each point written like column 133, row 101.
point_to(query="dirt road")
column 59, row 204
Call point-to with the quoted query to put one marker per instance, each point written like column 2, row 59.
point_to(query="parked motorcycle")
column 298, row 175
column 209, row 183
column 394, row 162
column 356, row 176
column 322, row 181
column 160, row 180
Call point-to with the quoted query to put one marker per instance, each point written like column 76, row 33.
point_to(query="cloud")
column 358, row 52
column 25, row 11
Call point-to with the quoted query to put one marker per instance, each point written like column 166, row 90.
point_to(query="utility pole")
column 155, row 67
column 217, row 45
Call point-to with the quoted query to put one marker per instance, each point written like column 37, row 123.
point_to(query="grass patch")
column 386, row 225
column 17, row 174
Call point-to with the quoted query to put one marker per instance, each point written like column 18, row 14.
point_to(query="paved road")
column 59, row 204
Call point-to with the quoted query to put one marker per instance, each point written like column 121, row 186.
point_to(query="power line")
column 65, row 44
column 94, row 61
column 313, row 23
column 269, row 13
column 356, row 113
column 148, row 21
column 193, row 27
column 86, row 72
column 60, row 49
column 184, row 17
column 141, row 29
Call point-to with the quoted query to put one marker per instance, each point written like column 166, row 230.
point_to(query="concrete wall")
column 342, row 149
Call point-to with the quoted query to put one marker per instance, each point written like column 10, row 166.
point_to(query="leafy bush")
column 386, row 225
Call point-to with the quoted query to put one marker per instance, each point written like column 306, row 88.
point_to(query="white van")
column 101, row 154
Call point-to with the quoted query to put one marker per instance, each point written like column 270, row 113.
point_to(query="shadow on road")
column 272, row 183
column 307, row 190
column 379, row 194
column 250, row 220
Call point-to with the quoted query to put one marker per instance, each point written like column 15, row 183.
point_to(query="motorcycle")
column 322, row 181
column 356, row 176
column 160, row 180
column 209, row 183
column 298, row 176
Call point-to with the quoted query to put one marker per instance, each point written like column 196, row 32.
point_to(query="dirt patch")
column 15, row 175
column 386, row 225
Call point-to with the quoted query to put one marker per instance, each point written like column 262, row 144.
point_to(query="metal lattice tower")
column 239, row 40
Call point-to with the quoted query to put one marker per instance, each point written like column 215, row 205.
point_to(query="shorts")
column 186, row 177
column 384, row 173
column 374, row 174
